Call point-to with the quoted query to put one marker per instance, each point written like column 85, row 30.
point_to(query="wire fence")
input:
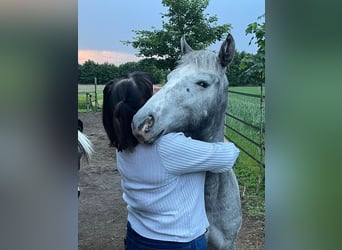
column 90, row 97
column 89, row 102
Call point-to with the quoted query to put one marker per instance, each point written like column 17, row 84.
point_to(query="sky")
column 103, row 24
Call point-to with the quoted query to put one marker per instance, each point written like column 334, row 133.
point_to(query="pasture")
column 250, row 174
column 89, row 88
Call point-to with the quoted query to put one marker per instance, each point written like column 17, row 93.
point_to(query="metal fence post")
column 261, row 139
column 95, row 86
column 87, row 101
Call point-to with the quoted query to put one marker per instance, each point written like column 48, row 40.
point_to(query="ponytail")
column 122, row 98
column 122, row 117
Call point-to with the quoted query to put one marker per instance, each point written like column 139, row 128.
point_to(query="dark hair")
column 122, row 98
column 80, row 125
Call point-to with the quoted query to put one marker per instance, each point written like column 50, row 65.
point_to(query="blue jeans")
column 134, row 241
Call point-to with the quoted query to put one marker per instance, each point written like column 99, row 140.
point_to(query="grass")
column 249, row 173
column 247, row 89
column 90, row 89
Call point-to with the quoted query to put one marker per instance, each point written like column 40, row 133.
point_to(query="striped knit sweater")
column 163, row 185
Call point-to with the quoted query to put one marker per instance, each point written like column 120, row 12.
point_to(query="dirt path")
column 102, row 212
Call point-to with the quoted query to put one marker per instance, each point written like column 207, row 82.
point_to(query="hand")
column 156, row 89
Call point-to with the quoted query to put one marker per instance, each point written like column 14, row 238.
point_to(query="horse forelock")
column 205, row 61
column 201, row 59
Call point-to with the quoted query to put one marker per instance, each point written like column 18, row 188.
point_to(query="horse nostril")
column 148, row 123
column 146, row 129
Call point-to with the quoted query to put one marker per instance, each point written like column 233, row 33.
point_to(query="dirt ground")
column 102, row 215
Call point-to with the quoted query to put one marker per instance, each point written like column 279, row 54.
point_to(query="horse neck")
column 215, row 131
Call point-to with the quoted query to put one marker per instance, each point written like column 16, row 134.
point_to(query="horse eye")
column 202, row 84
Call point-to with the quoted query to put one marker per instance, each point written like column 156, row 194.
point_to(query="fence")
column 248, row 136
column 90, row 97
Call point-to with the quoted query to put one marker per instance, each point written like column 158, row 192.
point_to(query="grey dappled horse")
column 194, row 101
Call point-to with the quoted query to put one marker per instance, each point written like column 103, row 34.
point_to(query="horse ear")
column 185, row 47
column 227, row 51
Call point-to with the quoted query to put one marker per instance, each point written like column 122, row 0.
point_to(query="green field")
column 83, row 89
column 249, row 172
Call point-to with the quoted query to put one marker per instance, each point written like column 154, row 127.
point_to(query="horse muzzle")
column 142, row 131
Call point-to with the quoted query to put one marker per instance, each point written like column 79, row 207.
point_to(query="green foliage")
column 103, row 72
column 239, row 77
column 87, row 72
column 255, row 65
column 106, row 72
column 183, row 17
column 147, row 65
column 152, row 65
column 258, row 32
column 255, row 205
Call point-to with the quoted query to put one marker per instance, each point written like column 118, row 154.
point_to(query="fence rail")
column 240, row 136
column 244, row 136
column 244, row 122
column 260, row 129
column 246, row 94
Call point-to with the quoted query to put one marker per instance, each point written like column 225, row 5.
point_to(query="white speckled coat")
column 194, row 101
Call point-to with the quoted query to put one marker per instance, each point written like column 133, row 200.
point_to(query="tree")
column 235, row 75
column 127, row 68
column 255, row 65
column 87, row 72
column 151, row 65
column 107, row 72
column 184, row 17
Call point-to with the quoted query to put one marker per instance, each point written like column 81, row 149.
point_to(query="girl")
column 163, row 183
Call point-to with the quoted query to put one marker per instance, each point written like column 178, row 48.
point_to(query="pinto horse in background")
column 85, row 147
column 194, row 101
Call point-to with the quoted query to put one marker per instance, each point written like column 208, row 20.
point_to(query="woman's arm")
column 183, row 155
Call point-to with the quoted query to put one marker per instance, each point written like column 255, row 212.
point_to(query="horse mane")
column 85, row 145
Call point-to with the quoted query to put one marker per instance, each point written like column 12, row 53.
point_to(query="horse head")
column 193, row 100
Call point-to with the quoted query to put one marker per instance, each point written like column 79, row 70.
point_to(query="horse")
column 194, row 101
column 85, row 147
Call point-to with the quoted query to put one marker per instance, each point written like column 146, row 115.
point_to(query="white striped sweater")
column 163, row 185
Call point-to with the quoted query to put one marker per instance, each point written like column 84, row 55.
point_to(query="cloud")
column 102, row 56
